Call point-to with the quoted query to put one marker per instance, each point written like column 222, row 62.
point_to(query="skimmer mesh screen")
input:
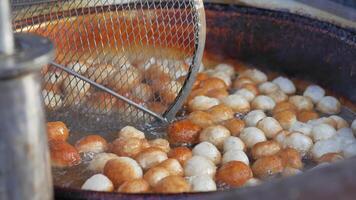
column 117, row 61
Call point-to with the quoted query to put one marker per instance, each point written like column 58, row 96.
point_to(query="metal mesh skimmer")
column 117, row 61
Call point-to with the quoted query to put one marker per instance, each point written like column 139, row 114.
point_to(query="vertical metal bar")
column 6, row 36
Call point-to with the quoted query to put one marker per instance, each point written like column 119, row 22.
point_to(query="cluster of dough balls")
column 239, row 131
column 152, row 82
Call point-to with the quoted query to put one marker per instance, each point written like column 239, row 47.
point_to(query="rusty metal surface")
column 291, row 44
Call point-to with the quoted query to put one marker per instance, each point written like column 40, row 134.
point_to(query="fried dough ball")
column 155, row 174
column 182, row 154
column 323, row 120
column 323, row 147
column 207, row 150
column 143, row 92
column 99, row 160
column 267, row 166
column 52, row 100
column 330, row 158
column 129, row 132
column 75, row 89
column 160, row 143
column 202, row 103
column 226, row 68
column 322, row 132
column 201, row 118
column 236, row 103
column 199, row 166
column 306, row 115
column 245, row 93
column 57, row 131
column 314, row 92
column 234, row 173
column 235, row 155
column 281, row 137
column 301, row 127
column 201, row 183
column 150, row 157
column 169, row 91
column 301, row 102
column 123, row 80
column 255, row 75
column 223, row 76
column 63, row 154
column 172, row 166
column 252, row 88
column 278, row 96
column 233, row 143
column 340, row 122
column 217, row 93
column 221, row 113
column 267, row 87
column 263, row 102
column 251, row 136
column 253, row 117
column 240, row 82
column 286, row 85
column 329, row 105
column 283, row 106
column 291, row 158
column 266, row 148
column 98, row 182
column 172, row 184
column 128, row 147
column 286, row 118
column 350, row 150
column 135, row 186
column 100, row 73
column 122, row 169
column 215, row 135
column 183, row 132
column 234, row 125
column 269, row 126
column 91, row 143
column 213, row 83
column 299, row 142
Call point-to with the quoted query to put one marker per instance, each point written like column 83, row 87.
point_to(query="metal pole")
column 24, row 156
column 6, row 36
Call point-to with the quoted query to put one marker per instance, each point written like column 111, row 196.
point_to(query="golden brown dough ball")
column 291, row 158
column 155, row 174
column 283, row 106
column 306, row 115
column 173, row 166
column 57, row 131
column 128, row 147
column 150, row 157
column 286, row 118
column 63, row 154
column 122, row 169
column 183, row 132
column 172, row 184
column 212, row 83
column 160, row 143
column 221, row 113
column 266, row 148
column 217, row 93
column 267, row 166
column 234, row 125
column 182, row 154
column 201, row 118
column 135, row 186
column 91, row 143
column 234, row 173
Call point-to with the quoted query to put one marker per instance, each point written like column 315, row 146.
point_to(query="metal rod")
column 7, row 45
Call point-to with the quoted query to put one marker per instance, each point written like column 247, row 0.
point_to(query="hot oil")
column 74, row 177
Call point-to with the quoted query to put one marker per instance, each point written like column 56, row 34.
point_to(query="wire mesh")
column 127, row 61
